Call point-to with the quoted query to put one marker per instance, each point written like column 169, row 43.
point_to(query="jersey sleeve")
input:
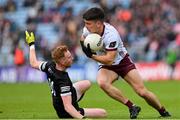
column 85, row 32
column 65, row 86
column 43, row 66
column 65, row 90
column 111, row 43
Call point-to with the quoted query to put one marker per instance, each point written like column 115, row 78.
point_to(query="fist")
column 30, row 39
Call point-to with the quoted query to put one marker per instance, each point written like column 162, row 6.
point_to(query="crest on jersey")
column 112, row 44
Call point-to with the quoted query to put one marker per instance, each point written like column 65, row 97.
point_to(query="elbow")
column 67, row 108
column 109, row 62
column 33, row 64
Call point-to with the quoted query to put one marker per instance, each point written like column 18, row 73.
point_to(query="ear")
column 98, row 23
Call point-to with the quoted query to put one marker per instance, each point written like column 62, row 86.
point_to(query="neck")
column 60, row 67
column 101, row 30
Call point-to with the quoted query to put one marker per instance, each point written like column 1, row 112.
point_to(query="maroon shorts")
column 123, row 67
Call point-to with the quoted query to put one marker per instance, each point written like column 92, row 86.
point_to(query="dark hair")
column 58, row 53
column 94, row 13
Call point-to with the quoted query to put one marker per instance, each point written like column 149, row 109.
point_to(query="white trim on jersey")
column 42, row 65
column 66, row 94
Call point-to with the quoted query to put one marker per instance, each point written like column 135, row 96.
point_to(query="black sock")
column 129, row 104
column 161, row 110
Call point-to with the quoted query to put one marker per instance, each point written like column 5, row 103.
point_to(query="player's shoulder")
column 109, row 27
column 110, row 30
column 51, row 64
column 46, row 65
column 110, row 34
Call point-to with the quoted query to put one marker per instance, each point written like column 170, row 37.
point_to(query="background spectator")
column 148, row 28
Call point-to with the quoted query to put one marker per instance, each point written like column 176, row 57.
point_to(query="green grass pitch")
column 33, row 101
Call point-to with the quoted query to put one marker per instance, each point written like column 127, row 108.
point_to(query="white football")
column 94, row 40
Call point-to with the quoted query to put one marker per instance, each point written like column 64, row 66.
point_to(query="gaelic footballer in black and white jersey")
column 65, row 95
column 60, row 85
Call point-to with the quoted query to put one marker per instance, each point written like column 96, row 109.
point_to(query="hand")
column 86, row 118
column 86, row 50
column 30, row 39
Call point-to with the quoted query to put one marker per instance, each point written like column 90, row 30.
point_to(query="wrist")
column 31, row 43
column 82, row 43
column 32, row 46
column 93, row 55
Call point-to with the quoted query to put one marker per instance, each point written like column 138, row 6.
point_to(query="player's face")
column 67, row 60
column 91, row 25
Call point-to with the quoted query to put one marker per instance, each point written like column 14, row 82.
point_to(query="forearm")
column 32, row 57
column 67, row 102
column 104, row 59
column 73, row 112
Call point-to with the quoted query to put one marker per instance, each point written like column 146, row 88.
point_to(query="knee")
column 142, row 92
column 103, row 85
column 103, row 113
column 88, row 84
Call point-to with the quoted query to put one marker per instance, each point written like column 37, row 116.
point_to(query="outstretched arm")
column 30, row 39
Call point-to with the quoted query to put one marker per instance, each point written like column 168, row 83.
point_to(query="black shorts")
column 123, row 67
column 59, row 107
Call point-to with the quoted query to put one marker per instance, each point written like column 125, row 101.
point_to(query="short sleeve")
column 65, row 90
column 43, row 66
column 111, row 43
column 85, row 32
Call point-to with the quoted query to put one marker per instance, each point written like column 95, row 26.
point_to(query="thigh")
column 134, row 79
column 81, row 87
column 106, row 76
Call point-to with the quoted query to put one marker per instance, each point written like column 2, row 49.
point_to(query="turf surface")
column 33, row 101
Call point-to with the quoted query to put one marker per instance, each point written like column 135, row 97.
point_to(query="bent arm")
column 106, row 59
column 67, row 100
column 32, row 58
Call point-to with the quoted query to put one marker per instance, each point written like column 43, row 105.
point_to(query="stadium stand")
column 146, row 27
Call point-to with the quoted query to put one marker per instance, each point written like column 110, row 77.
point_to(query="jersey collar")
column 103, row 30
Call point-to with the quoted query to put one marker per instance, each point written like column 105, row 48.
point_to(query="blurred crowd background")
column 150, row 29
